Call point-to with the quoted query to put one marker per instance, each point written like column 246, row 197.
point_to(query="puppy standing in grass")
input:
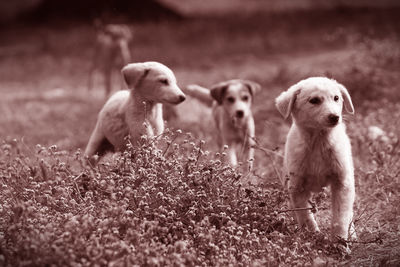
column 136, row 111
column 231, row 108
column 111, row 51
column 318, row 150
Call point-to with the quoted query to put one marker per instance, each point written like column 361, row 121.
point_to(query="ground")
column 43, row 82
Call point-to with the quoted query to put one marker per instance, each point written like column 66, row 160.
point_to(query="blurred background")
column 152, row 9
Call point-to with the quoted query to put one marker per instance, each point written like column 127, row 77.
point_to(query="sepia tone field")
column 178, row 204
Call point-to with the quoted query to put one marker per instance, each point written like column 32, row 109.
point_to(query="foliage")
column 166, row 202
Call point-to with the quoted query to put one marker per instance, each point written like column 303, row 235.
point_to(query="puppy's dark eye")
column 245, row 98
column 164, row 81
column 230, row 99
column 315, row 100
column 336, row 98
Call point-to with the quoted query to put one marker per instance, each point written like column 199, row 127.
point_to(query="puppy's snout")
column 239, row 114
column 333, row 119
column 181, row 98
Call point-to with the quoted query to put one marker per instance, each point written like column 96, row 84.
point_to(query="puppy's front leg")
column 250, row 143
column 159, row 127
column 249, row 151
column 250, row 158
column 232, row 155
column 343, row 196
column 299, row 200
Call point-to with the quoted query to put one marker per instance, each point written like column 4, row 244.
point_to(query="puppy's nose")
column 181, row 98
column 333, row 119
column 239, row 114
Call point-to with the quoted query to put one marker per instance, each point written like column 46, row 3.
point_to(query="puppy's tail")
column 200, row 93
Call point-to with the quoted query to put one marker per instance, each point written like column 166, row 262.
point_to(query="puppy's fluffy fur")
column 318, row 150
column 231, row 108
column 137, row 111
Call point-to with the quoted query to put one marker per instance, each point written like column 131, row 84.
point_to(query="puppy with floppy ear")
column 137, row 111
column 231, row 108
column 318, row 151
column 218, row 90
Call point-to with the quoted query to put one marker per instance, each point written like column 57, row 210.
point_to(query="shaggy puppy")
column 318, row 150
column 137, row 111
column 231, row 108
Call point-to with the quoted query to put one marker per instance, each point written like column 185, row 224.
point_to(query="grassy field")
column 172, row 202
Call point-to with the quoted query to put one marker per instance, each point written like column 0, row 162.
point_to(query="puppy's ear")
column 285, row 101
column 134, row 74
column 253, row 86
column 218, row 91
column 348, row 104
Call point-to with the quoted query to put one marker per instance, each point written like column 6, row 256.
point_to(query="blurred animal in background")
column 231, row 108
column 318, row 151
column 111, row 52
column 134, row 112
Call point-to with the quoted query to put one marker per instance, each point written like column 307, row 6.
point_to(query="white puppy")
column 231, row 108
column 318, row 150
column 137, row 111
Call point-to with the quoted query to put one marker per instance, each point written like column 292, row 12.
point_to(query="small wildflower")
column 180, row 246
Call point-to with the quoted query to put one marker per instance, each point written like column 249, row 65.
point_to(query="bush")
column 165, row 202
column 372, row 74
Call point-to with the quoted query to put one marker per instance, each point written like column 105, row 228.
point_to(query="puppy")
column 231, row 108
column 137, row 111
column 318, row 150
column 111, row 51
